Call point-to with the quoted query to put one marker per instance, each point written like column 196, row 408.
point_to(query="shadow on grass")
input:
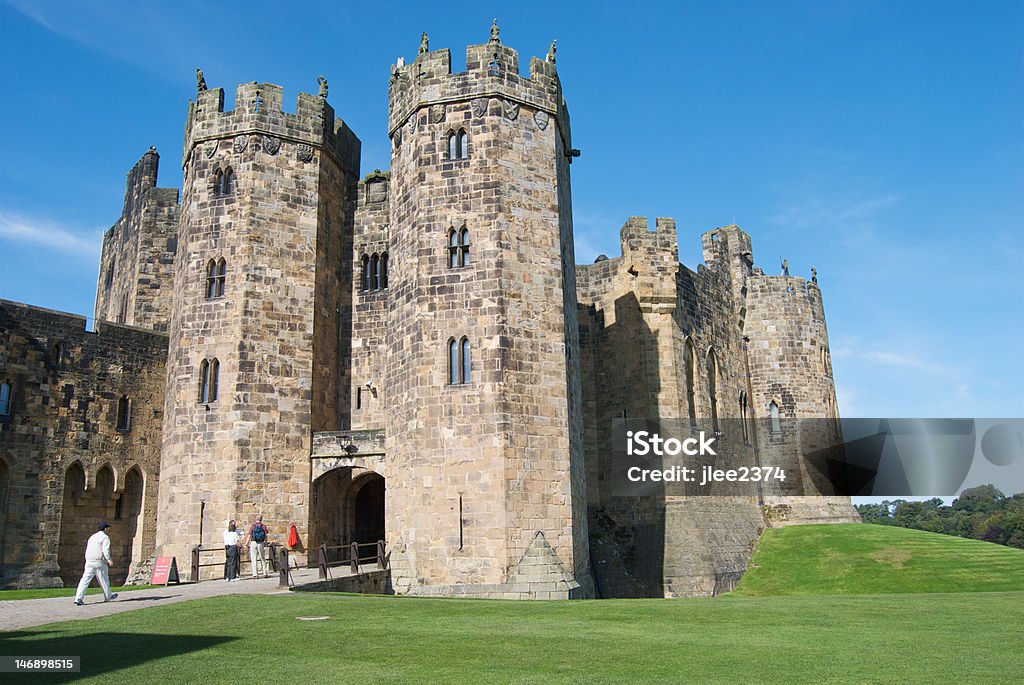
column 101, row 652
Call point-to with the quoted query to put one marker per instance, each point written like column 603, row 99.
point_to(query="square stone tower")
column 484, row 429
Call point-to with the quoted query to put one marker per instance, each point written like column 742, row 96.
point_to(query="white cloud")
column 846, row 398
column 44, row 232
column 815, row 213
column 112, row 30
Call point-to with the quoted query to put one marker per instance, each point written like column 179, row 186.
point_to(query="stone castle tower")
column 483, row 373
column 252, row 365
column 412, row 357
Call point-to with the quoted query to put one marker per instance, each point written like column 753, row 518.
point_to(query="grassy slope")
column 895, row 638
column 870, row 559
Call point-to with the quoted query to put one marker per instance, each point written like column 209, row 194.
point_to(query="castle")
column 412, row 356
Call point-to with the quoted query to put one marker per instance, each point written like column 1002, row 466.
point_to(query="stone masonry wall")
column 275, row 330
column 480, row 467
column 136, row 277
column 640, row 313
column 366, row 393
column 67, row 384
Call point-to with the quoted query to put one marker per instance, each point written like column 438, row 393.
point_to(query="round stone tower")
column 484, row 428
column 259, row 273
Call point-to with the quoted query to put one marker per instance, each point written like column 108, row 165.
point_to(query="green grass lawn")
column 869, row 559
column 929, row 638
column 45, row 593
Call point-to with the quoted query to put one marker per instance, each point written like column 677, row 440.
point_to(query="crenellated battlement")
column 797, row 296
column 258, row 112
column 492, row 71
column 727, row 242
column 635, row 235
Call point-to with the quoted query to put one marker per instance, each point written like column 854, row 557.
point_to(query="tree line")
column 980, row 513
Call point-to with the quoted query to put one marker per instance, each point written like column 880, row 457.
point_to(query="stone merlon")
column 258, row 112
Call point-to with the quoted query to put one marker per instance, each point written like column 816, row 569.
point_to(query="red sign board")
column 165, row 571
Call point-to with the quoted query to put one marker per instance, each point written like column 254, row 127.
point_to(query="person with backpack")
column 257, row 553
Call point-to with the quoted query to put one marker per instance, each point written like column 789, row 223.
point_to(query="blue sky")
column 882, row 142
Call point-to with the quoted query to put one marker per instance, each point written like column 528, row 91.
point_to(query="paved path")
column 26, row 613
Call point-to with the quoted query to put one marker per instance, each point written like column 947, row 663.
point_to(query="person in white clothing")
column 97, row 565
column 232, row 539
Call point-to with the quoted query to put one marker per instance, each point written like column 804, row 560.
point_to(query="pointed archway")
column 127, row 519
column 348, row 506
column 73, row 536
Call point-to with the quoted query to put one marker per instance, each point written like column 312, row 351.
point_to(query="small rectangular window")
column 5, row 399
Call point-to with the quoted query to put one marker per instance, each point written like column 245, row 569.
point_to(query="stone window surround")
column 209, row 373
column 459, row 363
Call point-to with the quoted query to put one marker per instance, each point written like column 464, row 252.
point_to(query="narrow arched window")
column 453, row 362
column 122, row 316
column 5, row 399
column 464, row 351
column 712, row 366
column 688, row 371
column 375, row 272
column 453, row 249
column 211, row 279
column 459, row 361
column 222, row 271
column 218, row 182
column 204, row 381
column 58, row 354
column 209, row 370
column 228, row 182
column 124, row 415
column 458, row 247
column 743, row 418
column 381, row 266
column 453, row 145
column 110, row 275
column 214, row 379
column 384, row 270
column 458, row 144
column 464, row 239
column 366, row 273
column 773, row 414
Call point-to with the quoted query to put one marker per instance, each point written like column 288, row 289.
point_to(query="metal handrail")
column 198, row 550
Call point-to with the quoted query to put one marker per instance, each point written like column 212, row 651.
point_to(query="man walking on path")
column 257, row 539
column 97, row 563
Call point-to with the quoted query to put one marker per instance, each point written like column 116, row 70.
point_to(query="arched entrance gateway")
column 348, row 506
